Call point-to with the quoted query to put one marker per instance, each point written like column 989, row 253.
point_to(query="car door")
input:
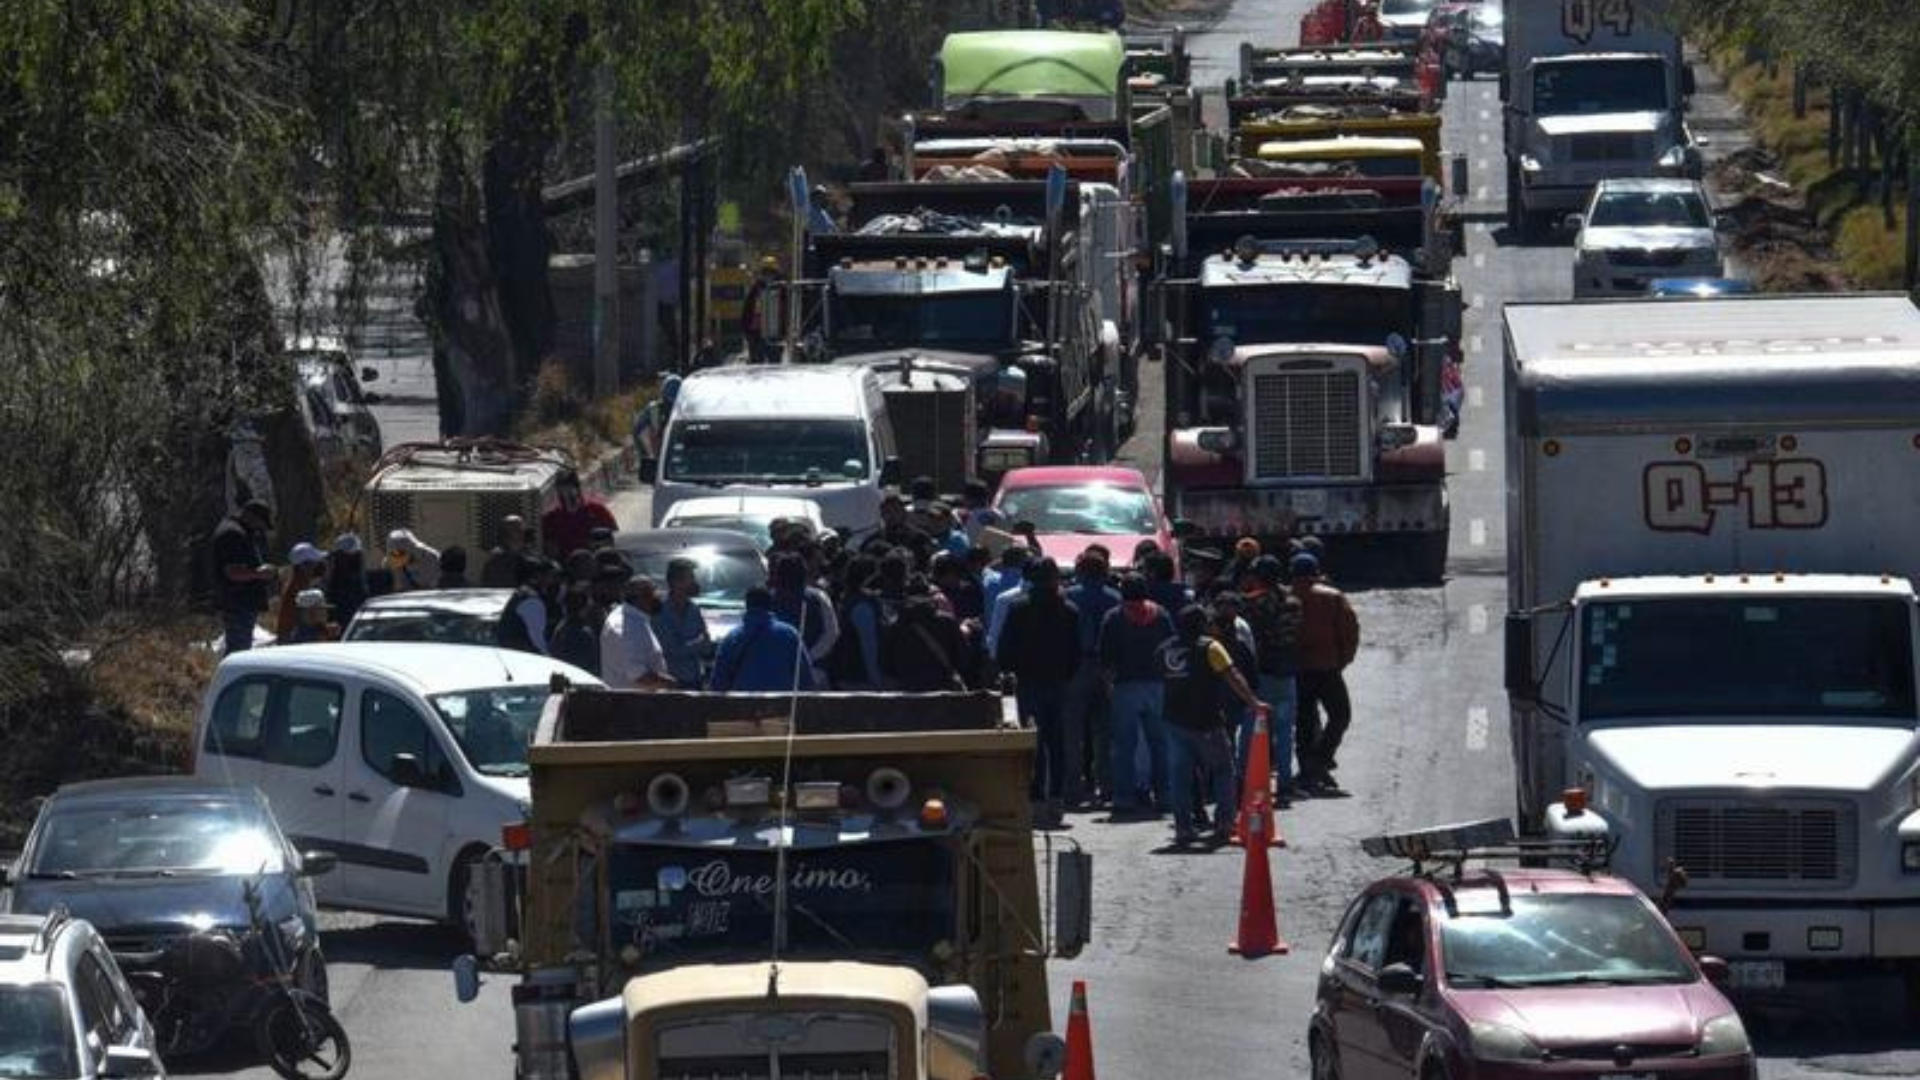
column 1404, row 1019
column 230, row 741
column 400, row 787
column 1357, row 1032
column 299, row 766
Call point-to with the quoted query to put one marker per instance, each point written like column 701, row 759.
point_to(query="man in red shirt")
column 568, row 527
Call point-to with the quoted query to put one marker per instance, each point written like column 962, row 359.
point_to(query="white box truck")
column 1593, row 90
column 1713, row 520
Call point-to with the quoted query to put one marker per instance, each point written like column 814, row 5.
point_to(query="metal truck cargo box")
column 1537, row 28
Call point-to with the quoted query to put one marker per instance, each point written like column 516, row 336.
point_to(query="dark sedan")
column 161, row 867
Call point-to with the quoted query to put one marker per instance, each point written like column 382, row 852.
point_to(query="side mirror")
column 1399, row 980
column 1072, row 902
column 1716, row 971
column 129, row 1061
column 649, row 470
column 1574, row 222
column 315, row 863
column 1522, row 688
column 890, row 472
column 1184, row 529
column 466, row 979
column 1723, row 222
column 6, row 873
column 370, row 397
column 1687, row 84
column 369, row 373
column 408, row 772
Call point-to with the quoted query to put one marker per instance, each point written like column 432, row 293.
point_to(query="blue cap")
column 670, row 388
column 1304, row 565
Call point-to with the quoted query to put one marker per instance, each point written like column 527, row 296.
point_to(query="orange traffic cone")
column 1259, row 930
column 1079, row 1036
column 1255, row 790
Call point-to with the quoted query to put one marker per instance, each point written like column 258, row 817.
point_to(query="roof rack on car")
column 1447, row 849
column 54, row 920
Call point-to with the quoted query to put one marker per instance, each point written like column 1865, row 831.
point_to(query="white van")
column 818, row 432
column 404, row 760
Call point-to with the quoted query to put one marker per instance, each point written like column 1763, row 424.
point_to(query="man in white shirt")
column 630, row 655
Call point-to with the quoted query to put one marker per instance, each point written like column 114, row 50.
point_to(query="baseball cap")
column 1267, row 569
column 305, row 554
column 1305, row 565
column 347, row 543
column 401, row 540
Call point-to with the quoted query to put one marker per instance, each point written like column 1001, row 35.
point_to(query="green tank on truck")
column 777, row 886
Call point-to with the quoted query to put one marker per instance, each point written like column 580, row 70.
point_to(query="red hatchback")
column 1517, row 973
column 1072, row 506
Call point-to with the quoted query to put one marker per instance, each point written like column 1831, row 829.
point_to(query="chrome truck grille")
column 1307, row 425
column 1728, row 842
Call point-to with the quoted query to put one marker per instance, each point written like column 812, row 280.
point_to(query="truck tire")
column 1426, row 557
column 1516, row 213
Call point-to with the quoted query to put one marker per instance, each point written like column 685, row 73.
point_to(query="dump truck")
column 1593, row 90
column 1711, row 648
column 1309, row 322
column 774, row 885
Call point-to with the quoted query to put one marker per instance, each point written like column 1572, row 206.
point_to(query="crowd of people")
column 1145, row 685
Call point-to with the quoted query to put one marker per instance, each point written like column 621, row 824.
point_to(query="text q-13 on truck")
column 1711, row 659
column 765, row 885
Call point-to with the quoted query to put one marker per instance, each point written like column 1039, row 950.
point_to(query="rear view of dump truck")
column 745, row 886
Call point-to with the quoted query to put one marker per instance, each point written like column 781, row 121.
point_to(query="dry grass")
column 561, row 415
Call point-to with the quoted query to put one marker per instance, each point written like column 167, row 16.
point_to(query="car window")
column 36, row 1036
column 303, row 731
column 1368, row 945
column 239, row 718
column 1407, row 939
column 389, row 727
column 101, row 999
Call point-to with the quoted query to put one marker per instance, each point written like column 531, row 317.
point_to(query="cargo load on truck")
column 1593, row 91
column 457, row 492
column 835, row 884
column 1711, row 653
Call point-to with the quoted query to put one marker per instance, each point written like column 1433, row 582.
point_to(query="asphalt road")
column 1428, row 745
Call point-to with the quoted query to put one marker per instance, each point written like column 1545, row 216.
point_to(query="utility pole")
column 606, row 225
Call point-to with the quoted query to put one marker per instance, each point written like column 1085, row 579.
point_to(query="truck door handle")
column 359, row 797
column 323, row 789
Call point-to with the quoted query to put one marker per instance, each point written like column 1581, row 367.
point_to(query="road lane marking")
column 1475, row 342
column 1477, row 532
column 1477, row 728
column 1486, row 114
column 1485, row 137
column 1474, row 300
column 1476, row 461
column 1476, row 397
column 1477, row 619
column 1483, row 192
column 1479, row 260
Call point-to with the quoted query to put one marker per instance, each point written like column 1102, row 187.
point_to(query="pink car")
column 1073, row 506
column 1518, row 973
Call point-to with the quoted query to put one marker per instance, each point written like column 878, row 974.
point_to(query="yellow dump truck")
column 778, row 886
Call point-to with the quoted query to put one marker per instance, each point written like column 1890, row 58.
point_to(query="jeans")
column 1277, row 691
column 1319, row 746
column 1136, row 717
column 1042, row 705
column 239, row 630
column 1082, row 714
column 1208, row 751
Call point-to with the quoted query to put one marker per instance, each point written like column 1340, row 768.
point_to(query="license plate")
column 1627, row 1076
column 1757, row 974
column 1311, row 502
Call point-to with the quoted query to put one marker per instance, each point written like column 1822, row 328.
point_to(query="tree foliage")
column 1862, row 45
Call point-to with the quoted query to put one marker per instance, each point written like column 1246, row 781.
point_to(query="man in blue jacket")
column 762, row 654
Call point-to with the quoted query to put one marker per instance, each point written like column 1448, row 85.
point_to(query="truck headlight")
column 1724, row 1035
column 1529, row 164
column 1674, row 158
column 1910, row 856
column 1498, row 1042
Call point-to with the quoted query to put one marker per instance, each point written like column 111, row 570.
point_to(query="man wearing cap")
column 1274, row 614
column 346, row 580
column 311, row 623
column 1329, row 640
column 1199, row 673
column 568, row 527
column 630, row 655
column 305, row 564
column 1039, row 646
column 415, row 566
column 503, row 562
column 762, row 655
column 241, row 572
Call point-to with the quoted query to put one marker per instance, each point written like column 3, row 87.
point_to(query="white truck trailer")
column 1594, row 90
column 1713, row 520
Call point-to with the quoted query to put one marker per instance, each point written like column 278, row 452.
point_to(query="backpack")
column 845, row 665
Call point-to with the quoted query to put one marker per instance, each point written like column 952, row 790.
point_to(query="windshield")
column 760, row 528
column 745, row 451
column 156, row 838
column 1590, row 87
column 415, row 624
column 36, row 1036
column 1396, row 9
column 922, row 318
column 678, row 904
column 1096, row 509
column 1275, row 314
column 1808, row 657
column 1565, row 940
column 724, row 574
column 1650, row 209
column 493, row 727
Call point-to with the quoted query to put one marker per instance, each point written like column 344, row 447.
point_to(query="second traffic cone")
column 1256, row 788
column 1079, row 1064
column 1259, row 933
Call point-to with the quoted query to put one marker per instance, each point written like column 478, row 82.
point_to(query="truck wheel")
column 1516, row 213
column 1424, row 557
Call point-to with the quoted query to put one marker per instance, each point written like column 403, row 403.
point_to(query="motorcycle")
column 197, row 987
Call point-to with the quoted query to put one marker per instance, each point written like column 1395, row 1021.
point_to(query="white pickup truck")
column 1714, row 515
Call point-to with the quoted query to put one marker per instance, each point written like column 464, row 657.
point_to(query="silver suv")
column 65, row 1009
column 1635, row 231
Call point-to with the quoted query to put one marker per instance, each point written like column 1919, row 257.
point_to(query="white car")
column 66, row 1011
column 405, row 760
column 332, row 401
column 750, row 514
column 1634, row 231
column 448, row 616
